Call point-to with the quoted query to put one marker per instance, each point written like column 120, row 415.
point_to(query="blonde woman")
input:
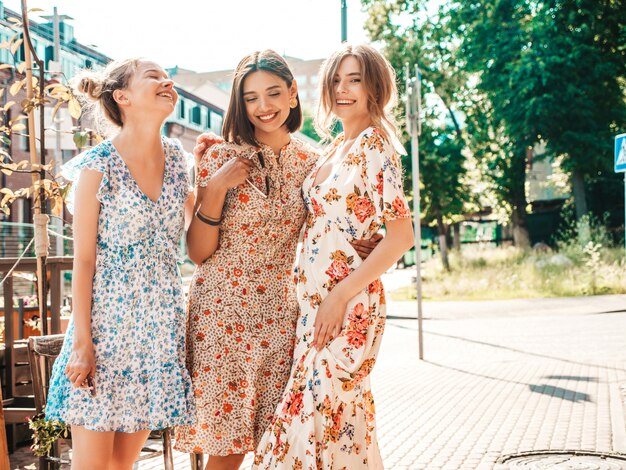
column 325, row 418
column 121, row 372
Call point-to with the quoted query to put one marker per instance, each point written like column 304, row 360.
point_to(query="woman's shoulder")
column 374, row 137
column 96, row 158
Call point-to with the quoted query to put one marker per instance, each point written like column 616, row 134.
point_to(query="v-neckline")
column 134, row 180
column 330, row 153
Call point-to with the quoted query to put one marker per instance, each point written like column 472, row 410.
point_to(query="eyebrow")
column 268, row 89
column 352, row 74
column 160, row 72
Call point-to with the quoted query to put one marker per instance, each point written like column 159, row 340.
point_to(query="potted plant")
column 46, row 433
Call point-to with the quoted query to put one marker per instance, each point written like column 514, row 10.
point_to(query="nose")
column 168, row 83
column 339, row 87
column 263, row 104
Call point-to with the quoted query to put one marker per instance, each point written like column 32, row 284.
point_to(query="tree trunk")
column 443, row 245
column 518, row 201
column 521, row 238
column 580, row 198
column 456, row 240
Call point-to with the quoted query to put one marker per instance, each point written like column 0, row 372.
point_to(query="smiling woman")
column 121, row 372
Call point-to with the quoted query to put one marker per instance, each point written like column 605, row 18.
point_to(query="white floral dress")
column 138, row 316
column 325, row 419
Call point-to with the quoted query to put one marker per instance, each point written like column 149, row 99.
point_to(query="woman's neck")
column 139, row 141
column 275, row 140
column 353, row 127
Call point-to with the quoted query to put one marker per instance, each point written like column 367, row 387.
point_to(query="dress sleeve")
column 183, row 164
column 210, row 163
column 98, row 158
column 383, row 174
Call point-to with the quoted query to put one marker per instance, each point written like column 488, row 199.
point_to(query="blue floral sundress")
column 138, row 316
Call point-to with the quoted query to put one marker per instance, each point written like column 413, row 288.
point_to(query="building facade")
column 194, row 114
column 305, row 73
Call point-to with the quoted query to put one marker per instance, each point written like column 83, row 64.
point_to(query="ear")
column 121, row 97
column 293, row 89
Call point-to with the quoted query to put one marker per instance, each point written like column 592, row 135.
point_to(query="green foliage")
column 46, row 433
column 442, row 166
column 443, row 173
column 308, row 128
column 522, row 72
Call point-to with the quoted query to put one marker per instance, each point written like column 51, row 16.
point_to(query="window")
column 208, row 118
column 181, row 109
column 48, row 56
column 196, row 115
column 20, row 52
column 216, row 121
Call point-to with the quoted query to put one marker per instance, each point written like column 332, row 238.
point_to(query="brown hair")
column 237, row 127
column 97, row 88
column 378, row 78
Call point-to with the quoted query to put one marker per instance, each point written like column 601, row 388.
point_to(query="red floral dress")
column 242, row 305
column 325, row 419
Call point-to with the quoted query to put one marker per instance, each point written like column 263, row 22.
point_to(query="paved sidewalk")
column 499, row 378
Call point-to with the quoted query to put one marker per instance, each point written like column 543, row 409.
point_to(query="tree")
column 444, row 192
column 443, row 147
column 554, row 72
column 579, row 104
column 37, row 96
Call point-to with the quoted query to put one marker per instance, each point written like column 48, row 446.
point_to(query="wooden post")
column 4, row 448
column 55, row 297
column 38, row 196
column 9, row 338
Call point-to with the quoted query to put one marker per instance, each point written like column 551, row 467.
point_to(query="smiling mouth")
column 267, row 117
column 345, row 102
column 166, row 95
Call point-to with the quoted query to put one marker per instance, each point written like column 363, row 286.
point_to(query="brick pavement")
column 494, row 384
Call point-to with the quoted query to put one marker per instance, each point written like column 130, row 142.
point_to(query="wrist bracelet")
column 207, row 220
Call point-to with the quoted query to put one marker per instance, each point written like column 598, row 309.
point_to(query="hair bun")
column 90, row 86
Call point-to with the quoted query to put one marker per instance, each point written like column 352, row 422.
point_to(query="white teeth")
column 267, row 117
column 344, row 102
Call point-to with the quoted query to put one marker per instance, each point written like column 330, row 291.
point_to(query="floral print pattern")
column 326, row 418
column 242, row 305
column 137, row 316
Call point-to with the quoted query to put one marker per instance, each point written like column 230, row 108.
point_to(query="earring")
column 293, row 103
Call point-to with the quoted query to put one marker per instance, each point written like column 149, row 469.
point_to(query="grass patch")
column 510, row 273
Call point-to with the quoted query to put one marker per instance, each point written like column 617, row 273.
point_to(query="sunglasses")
column 264, row 194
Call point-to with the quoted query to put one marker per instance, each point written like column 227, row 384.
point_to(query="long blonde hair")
column 379, row 79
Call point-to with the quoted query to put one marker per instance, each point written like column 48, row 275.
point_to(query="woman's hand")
column 82, row 364
column 329, row 319
column 232, row 173
column 203, row 143
column 365, row 247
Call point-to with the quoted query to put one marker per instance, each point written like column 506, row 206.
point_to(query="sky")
column 207, row 35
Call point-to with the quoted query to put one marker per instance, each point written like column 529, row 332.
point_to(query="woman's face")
column 266, row 97
column 350, row 96
column 150, row 90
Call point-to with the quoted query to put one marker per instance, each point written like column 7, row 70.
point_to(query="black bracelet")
column 208, row 220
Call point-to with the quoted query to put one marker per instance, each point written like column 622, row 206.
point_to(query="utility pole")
column 344, row 21
column 413, row 103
